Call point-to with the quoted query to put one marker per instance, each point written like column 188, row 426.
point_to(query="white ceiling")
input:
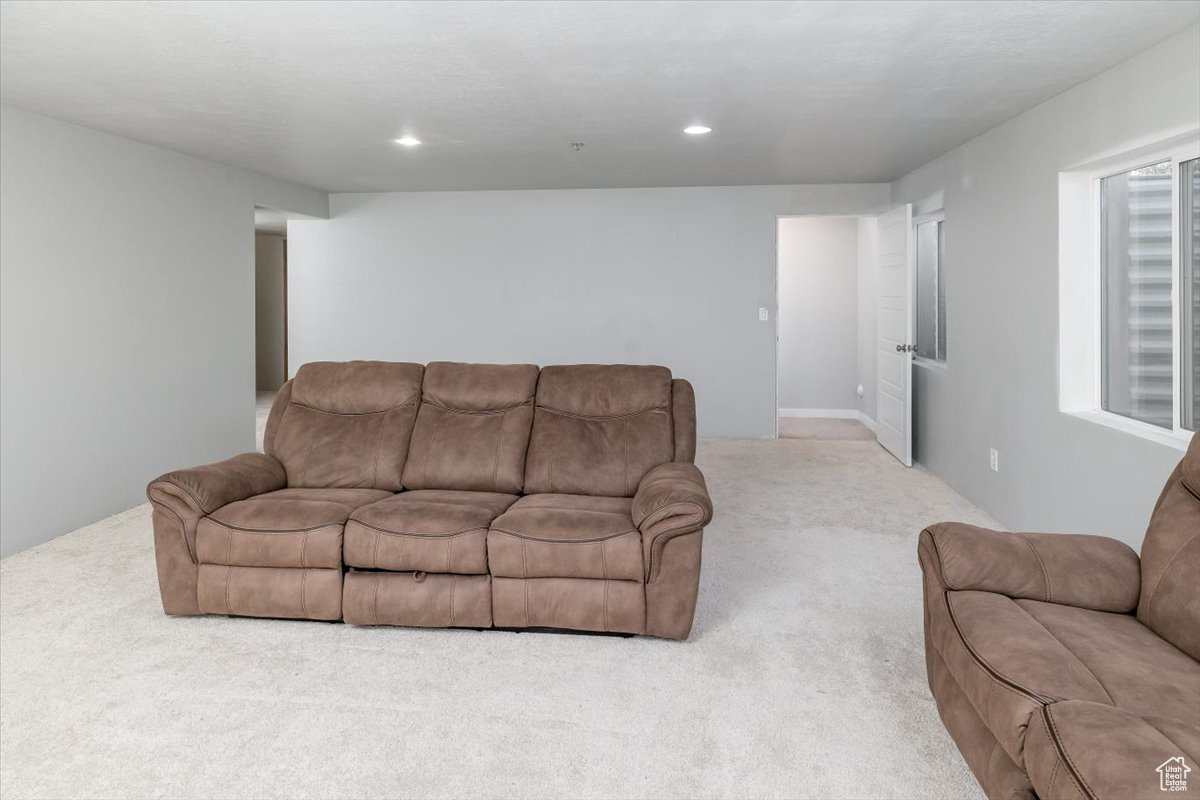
column 807, row 92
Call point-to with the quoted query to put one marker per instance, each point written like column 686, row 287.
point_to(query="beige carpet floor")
column 804, row 676
column 823, row 428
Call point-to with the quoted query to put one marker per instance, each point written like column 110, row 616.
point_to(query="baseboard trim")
column 829, row 413
column 819, row 413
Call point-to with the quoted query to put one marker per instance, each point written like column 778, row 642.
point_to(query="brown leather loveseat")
column 1064, row 666
column 468, row 495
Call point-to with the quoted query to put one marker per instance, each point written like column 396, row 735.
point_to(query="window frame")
column 1183, row 311
column 1179, row 150
column 922, row 219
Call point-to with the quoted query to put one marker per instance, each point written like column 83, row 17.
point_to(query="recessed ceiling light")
column 408, row 141
column 697, row 130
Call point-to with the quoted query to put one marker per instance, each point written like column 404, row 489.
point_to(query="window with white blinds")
column 1149, row 240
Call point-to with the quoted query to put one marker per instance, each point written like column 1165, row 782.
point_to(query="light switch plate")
column 763, row 315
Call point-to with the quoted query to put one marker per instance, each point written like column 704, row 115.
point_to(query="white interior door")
column 894, row 321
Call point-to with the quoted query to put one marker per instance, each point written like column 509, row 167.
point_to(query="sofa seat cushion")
column 427, row 530
column 285, row 528
column 1011, row 658
column 566, row 536
column 1141, row 672
column 1080, row 749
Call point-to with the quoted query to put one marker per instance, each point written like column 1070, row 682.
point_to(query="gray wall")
column 999, row 389
column 668, row 276
column 270, row 301
column 126, row 319
column 818, row 313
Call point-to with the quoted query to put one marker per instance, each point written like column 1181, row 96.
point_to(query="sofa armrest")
column 202, row 490
column 1070, row 569
column 671, row 500
column 181, row 499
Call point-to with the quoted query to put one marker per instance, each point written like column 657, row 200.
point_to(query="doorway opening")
column 271, row 366
column 825, row 327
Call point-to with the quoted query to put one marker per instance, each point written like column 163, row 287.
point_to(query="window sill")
column 929, row 363
column 1177, row 439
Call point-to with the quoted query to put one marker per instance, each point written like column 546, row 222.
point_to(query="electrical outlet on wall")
column 994, row 460
column 763, row 315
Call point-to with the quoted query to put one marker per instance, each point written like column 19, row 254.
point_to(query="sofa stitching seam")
column 275, row 532
column 625, row 469
column 602, row 417
column 940, row 568
column 1060, row 746
column 575, row 510
column 389, row 409
column 378, row 449
column 1075, row 655
column 593, row 540
column 648, row 520
column 483, row 412
column 496, row 450
column 1163, row 572
column 1042, row 564
column 606, row 606
column 525, row 584
column 988, row 669
column 553, row 455
column 659, row 543
column 182, row 531
column 303, row 593
column 429, row 449
column 394, row 532
column 312, row 439
column 666, row 505
column 375, row 598
column 991, row 759
column 1057, row 764
column 204, row 510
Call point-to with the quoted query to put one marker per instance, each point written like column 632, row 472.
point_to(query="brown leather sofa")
column 1062, row 665
column 464, row 495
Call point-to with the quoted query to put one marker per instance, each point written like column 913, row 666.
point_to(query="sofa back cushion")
column 345, row 424
column 1170, row 601
column 473, row 427
column 597, row 429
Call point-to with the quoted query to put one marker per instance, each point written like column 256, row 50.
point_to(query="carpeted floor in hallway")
column 804, row 675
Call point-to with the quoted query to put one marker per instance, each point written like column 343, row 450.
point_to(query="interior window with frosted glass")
column 1137, row 379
